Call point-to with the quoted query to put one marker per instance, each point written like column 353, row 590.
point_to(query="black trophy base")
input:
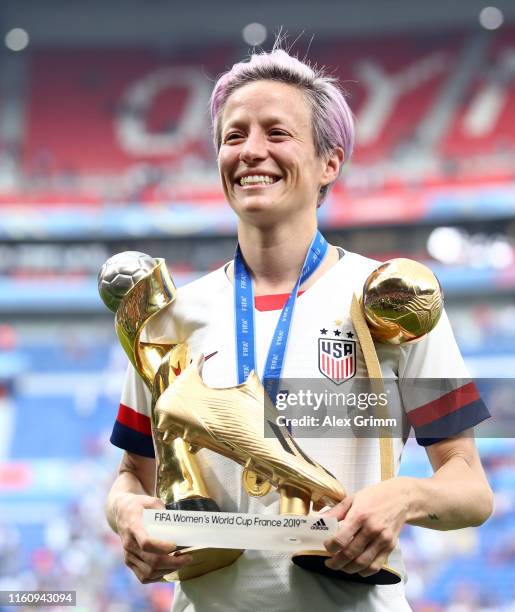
column 204, row 560
column 197, row 504
column 314, row 561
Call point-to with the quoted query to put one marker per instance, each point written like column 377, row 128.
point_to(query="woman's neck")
column 275, row 257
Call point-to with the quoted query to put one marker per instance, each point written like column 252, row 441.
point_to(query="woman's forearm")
column 136, row 477
column 124, row 483
column 455, row 496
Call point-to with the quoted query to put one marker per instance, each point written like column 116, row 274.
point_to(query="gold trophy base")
column 314, row 561
column 204, row 560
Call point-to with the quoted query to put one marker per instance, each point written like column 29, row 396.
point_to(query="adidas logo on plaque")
column 320, row 524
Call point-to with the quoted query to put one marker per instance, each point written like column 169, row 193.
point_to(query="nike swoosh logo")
column 177, row 371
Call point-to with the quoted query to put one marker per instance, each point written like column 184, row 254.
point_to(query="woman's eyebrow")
column 267, row 120
column 232, row 124
column 276, row 119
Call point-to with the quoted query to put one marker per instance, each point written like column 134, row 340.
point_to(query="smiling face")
column 267, row 160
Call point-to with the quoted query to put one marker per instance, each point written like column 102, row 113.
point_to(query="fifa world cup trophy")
column 137, row 287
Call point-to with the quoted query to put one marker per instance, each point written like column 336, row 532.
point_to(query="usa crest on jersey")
column 337, row 359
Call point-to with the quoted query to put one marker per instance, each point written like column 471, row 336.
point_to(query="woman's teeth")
column 257, row 180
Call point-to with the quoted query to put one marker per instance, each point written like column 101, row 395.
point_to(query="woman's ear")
column 332, row 165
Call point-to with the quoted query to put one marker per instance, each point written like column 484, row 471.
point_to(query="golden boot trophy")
column 231, row 422
column 136, row 287
column 240, row 423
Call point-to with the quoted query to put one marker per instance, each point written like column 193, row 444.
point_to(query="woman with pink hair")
column 282, row 131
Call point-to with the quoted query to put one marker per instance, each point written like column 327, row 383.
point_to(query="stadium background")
column 105, row 146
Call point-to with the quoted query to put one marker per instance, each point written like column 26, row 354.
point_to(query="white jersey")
column 203, row 316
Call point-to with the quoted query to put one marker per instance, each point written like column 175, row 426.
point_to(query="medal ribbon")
column 245, row 324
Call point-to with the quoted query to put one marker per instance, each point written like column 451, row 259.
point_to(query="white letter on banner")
column 130, row 125
column 385, row 90
column 487, row 105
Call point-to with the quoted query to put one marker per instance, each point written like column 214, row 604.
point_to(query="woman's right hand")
column 148, row 558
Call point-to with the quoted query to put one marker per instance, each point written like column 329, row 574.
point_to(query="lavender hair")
column 333, row 124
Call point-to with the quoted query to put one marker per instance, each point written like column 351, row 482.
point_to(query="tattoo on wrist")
column 433, row 517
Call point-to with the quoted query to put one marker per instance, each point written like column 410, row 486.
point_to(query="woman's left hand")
column 371, row 522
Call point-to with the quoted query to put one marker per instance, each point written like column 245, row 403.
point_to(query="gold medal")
column 254, row 484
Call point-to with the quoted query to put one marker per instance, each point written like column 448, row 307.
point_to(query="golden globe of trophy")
column 137, row 287
column 402, row 301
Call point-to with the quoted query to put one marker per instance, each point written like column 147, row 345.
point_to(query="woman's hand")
column 371, row 521
column 148, row 558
